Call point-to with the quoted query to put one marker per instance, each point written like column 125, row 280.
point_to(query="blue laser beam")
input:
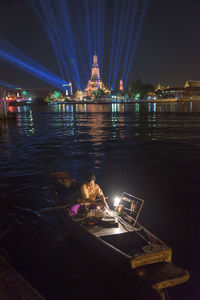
column 53, row 39
column 102, row 34
column 55, row 21
column 67, row 40
column 98, row 10
column 113, row 41
column 88, row 30
column 94, row 26
column 18, row 53
column 81, row 37
column 136, row 39
column 79, row 41
column 119, row 61
column 10, row 49
column 66, row 21
column 30, row 69
column 130, row 38
column 52, row 33
column 119, row 38
column 8, row 85
column 19, row 59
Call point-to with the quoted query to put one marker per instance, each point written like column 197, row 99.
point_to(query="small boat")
column 118, row 239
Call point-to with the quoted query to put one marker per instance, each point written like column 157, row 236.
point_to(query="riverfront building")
column 192, row 84
column 190, row 91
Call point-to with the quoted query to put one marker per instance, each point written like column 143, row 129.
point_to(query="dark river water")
column 148, row 150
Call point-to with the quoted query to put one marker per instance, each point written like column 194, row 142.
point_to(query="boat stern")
column 162, row 275
column 152, row 254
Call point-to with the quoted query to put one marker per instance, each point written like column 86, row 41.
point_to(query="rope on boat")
column 163, row 294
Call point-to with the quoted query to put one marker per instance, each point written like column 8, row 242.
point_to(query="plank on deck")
column 102, row 231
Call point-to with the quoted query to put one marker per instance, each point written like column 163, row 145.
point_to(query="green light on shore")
column 56, row 94
column 137, row 96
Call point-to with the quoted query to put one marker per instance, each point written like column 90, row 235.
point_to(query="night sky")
column 167, row 50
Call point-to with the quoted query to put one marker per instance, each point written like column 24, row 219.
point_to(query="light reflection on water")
column 151, row 150
column 71, row 127
column 85, row 136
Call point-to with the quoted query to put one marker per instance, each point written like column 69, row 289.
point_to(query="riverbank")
column 14, row 286
column 123, row 101
column 129, row 101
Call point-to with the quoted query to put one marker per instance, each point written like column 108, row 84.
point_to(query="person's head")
column 90, row 180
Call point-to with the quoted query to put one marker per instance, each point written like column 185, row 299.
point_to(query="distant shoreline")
column 76, row 102
column 124, row 102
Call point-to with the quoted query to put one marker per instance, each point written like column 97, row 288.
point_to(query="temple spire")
column 95, row 81
column 95, row 60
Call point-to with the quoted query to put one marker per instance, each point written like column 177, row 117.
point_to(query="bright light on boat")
column 116, row 201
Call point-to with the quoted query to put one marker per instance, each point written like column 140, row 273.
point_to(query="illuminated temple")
column 95, row 81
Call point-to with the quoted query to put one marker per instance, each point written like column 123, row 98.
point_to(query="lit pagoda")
column 95, row 81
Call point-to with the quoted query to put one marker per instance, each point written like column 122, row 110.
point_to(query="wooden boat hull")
column 134, row 251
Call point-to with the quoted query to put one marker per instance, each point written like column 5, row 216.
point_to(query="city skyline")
column 166, row 51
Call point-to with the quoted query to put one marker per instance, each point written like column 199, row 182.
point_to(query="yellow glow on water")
column 63, row 107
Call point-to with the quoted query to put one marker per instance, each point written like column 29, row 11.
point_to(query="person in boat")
column 90, row 196
column 90, row 192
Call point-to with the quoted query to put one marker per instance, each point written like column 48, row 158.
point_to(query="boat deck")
column 103, row 231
